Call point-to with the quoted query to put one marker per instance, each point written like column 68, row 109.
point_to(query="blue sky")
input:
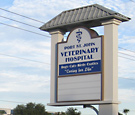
column 26, row 81
column 6, row 3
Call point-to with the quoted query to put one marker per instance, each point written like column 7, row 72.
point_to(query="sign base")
column 83, row 103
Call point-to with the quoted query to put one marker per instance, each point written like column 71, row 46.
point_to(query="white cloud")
column 127, row 39
column 21, row 82
column 126, row 65
column 43, row 9
column 23, row 47
column 127, row 95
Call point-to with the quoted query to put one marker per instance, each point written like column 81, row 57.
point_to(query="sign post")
column 56, row 37
column 84, row 69
column 110, row 67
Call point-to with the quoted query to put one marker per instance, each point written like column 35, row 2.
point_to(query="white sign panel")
column 81, row 59
column 79, row 88
column 80, row 54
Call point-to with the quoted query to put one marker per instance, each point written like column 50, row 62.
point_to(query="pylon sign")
column 79, row 73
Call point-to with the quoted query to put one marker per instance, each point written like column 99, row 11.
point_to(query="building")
column 6, row 111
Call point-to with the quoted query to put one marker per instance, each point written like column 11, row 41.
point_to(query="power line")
column 126, row 54
column 127, row 78
column 19, row 21
column 38, row 28
column 21, row 15
column 132, row 1
column 126, row 49
column 49, row 36
column 24, row 29
column 38, row 21
column 11, row 101
column 25, row 59
column 43, row 62
column 47, row 63
column 127, row 58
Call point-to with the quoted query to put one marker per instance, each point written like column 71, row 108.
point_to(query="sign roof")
column 89, row 16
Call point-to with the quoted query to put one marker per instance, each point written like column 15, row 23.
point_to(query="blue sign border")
column 99, row 68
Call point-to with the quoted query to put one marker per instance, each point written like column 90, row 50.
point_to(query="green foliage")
column 19, row 110
column 30, row 109
column 125, row 111
column 60, row 113
column 120, row 113
column 72, row 111
column 2, row 112
column 39, row 109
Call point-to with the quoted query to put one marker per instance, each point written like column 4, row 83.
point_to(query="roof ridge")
column 95, row 5
column 78, row 8
column 111, row 12
column 105, row 9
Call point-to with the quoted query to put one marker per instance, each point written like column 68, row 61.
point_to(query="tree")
column 19, row 110
column 60, row 113
column 125, row 111
column 72, row 111
column 30, row 109
column 119, row 113
column 2, row 112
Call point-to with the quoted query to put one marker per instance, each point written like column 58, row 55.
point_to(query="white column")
column 56, row 36
column 110, row 67
column 108, row 109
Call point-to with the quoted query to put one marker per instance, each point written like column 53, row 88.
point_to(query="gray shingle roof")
column 90, row 16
